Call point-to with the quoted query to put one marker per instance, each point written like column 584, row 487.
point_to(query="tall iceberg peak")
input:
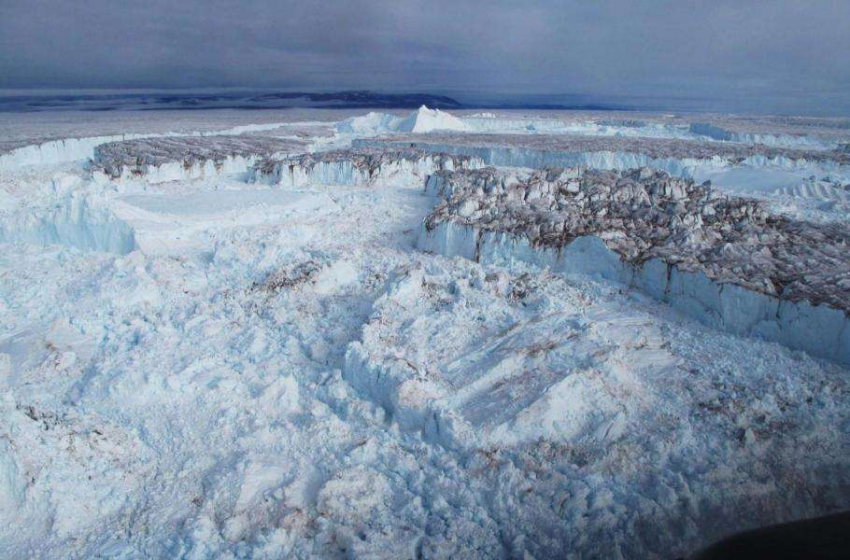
column 429, row 120
column 419, row 121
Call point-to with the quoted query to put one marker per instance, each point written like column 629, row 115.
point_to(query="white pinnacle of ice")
column 430, row 120
column 423, row 120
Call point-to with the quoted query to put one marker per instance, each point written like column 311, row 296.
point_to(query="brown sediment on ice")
column 645, row 214
column 139, row 155
column 655, row 148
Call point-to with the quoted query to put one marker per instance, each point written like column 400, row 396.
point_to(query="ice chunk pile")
column 224, row 368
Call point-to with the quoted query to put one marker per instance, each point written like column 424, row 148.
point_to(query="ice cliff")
column 75, row 220
column 725, row 261
column 357, row 167
column 676, row 157
column 185, row 158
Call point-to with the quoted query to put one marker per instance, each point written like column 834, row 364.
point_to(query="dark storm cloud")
column 794, row 49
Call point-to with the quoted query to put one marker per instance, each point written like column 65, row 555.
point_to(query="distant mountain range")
column 47, row 101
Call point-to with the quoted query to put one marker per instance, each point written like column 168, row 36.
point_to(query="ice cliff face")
column 357, row 167
column 724, row 260
column 75, row 221
column 715, row 132
column 186, row 158
column 59, row 151
column 69, row 150
column 675, row 157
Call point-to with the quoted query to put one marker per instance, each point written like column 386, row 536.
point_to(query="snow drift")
column 518, row 379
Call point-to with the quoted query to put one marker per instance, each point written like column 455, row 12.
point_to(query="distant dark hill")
column 366, row 99
column 200, row 101
column 87, row 101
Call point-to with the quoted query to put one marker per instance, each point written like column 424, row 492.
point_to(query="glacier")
column 165, row 159
column 323, row 333
column 427, row 120
column 540, row 153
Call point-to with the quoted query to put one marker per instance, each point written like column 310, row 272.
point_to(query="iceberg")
column 423, row 120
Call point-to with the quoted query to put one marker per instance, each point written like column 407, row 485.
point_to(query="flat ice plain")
column 220, row 337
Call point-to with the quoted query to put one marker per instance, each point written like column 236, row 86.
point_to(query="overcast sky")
column 796, row 50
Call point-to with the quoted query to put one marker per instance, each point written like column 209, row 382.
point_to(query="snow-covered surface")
column 211, row 367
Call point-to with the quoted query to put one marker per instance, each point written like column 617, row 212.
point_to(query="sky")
column 790, row 53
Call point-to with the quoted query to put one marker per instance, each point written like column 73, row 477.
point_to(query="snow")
column 490, row 395
column 209, row 366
